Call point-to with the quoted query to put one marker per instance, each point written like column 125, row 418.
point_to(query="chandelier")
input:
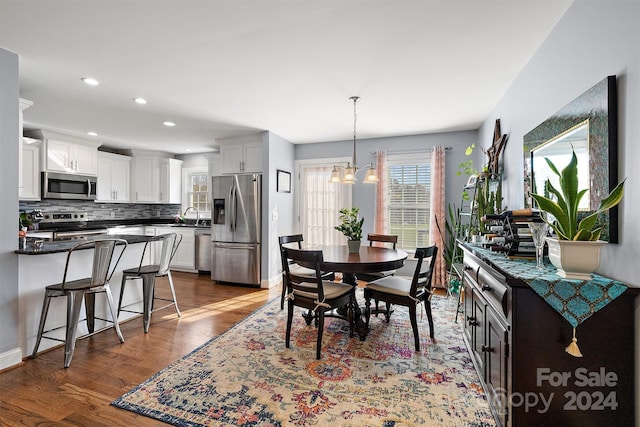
column 347, row 175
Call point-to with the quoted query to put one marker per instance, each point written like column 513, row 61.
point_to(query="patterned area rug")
column 246, row 377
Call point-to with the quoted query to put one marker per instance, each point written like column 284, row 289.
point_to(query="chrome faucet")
column 197, row 214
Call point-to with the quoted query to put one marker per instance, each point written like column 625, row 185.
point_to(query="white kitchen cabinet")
column 170, row 183
column 114, row 183
column 145, row 176
column 244, row 157
column 70, row 157
column 30, row 170
column 65, row 153
column 23, row 104
column 185, row 257
column 138, row 230
column 156, row 179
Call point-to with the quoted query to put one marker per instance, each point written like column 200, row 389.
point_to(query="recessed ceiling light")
column 91, row 133
column 90, row 81
column 170, row 124
column 188, row 150
column 140, row 101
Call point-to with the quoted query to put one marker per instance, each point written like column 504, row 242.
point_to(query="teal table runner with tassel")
column 575, row 300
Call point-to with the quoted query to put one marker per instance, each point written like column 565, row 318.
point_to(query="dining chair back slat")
column 382, row 238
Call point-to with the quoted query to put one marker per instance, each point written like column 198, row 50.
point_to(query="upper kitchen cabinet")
column 29, row 161
column 67, row 154
column 156, row 179
column 241, row 155
column 30, row 170
column 114, row 172
column 63, row 156
column 170, row 183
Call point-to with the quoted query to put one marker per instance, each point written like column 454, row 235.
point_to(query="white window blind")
column 409, row 195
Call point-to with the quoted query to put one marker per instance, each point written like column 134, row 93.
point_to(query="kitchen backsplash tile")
column 105, row 211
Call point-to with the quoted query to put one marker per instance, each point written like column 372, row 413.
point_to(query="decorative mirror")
column 589, row 124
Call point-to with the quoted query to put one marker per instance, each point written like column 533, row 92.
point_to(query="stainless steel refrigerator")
column 236, row 228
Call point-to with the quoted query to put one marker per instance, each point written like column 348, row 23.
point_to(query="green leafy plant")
column 452, row 222
column 351, row 225
column 467, row 167
column 488, row 198
column 24, row 221
column 565, row 209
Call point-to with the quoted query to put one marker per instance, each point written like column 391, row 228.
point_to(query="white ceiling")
column 220, row 68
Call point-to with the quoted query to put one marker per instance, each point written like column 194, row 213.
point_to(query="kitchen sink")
column 191, row 225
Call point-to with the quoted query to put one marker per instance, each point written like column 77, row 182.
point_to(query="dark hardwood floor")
column 41, row 392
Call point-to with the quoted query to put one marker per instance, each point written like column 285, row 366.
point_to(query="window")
column 408, row 210
column 197, row 191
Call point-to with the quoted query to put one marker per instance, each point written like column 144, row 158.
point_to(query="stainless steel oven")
column 68, row 186
column 70, row 226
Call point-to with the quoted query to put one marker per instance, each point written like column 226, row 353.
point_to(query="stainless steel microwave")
column 68, row 186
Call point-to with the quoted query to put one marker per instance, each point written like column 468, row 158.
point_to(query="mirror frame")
column 598, row 105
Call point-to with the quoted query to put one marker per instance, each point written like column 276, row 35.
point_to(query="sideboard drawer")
column 494, row 289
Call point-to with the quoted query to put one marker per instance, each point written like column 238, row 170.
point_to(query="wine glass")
column 539, row 231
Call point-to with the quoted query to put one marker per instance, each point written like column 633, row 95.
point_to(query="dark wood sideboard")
column 517, row 343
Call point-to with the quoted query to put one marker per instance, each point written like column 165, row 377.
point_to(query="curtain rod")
column 373, row 153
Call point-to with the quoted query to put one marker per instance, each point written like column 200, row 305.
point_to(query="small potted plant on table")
column 351, row 227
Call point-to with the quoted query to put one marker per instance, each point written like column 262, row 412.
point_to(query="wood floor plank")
column 41, row 392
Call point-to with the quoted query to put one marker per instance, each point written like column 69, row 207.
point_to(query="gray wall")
column 281, row 156
column 593, row 39
column 9, row 94
column 364, row 194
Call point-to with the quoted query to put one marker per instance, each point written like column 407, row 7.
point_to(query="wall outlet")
column 156, row 213
column 113, row 214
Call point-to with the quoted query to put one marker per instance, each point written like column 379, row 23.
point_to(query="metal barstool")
column 148, row 274
column 77, row 290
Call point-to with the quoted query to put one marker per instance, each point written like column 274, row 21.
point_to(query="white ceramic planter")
column 354, row 246
column 575, row 259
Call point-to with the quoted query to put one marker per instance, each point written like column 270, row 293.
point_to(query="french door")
column 319, row 202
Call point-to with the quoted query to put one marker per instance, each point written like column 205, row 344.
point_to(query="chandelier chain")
column 355, row 116
column 355, row 99
column 347, row 175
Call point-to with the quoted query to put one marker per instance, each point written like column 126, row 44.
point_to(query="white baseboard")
column 10, row 358
column 270, row 283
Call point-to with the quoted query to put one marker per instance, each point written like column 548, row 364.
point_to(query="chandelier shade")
column 347, row 175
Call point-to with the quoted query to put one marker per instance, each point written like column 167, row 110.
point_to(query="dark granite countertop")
column 146, row 221
column 115, row 223
column 35, row 246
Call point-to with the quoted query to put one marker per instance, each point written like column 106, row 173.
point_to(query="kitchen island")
column 41, row 263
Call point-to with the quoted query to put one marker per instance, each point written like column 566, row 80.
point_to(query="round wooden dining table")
column 368, row 260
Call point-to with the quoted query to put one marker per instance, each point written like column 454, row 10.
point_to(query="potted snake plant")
column 351, row 227
column 575, row 252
